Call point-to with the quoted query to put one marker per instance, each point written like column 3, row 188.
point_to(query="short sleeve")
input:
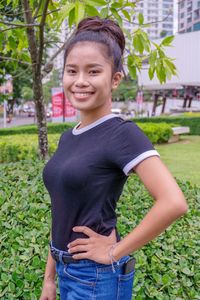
column 129, row 146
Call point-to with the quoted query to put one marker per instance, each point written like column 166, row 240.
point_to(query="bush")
column 192, row 122
column 52, row 128
column 157, row 133
column 25, row 146
column 166, row 268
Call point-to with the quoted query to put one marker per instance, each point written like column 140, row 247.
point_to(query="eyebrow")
column 89, row 65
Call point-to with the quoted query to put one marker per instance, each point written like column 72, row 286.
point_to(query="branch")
column 41, row 32
column 50, row 12
column 13, row 14
column 10, row 28
column 19, row 25
column 155, row 22
column 14, row 59
column 30, row 32
column 37, row 10
column 49, row 65
column 19, row 74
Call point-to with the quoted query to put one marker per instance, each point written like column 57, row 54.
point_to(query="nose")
column 81, row 80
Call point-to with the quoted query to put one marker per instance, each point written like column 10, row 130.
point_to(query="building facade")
column 188, row 15
column 160, row 16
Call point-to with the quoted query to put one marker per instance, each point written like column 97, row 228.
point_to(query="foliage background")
column 166, row 269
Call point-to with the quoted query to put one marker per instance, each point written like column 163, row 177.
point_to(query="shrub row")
column 52, row 128
column 25, row 146
column 192, row 122
column 166, row 269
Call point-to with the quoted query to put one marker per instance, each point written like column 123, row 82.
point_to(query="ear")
column 117, row 77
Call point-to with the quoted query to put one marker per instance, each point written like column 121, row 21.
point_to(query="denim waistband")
column 87, row 261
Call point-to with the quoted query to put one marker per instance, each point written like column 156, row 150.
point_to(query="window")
column 182, row 15
column 196, row 14
column 196, row 26
column 167, row 26
column 182, row 4
column 182, row 25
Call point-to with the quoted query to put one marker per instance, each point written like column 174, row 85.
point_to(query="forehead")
column 86, row 53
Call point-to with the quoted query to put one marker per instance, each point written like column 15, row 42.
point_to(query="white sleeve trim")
column 138, row 159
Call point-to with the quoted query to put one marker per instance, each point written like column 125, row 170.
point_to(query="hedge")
column 25, row 146
column 167, row 268
column 52, row 128
column 192, row 122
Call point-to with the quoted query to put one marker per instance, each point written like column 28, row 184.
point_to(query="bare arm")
column 50, row 270
column 170, row 204
column 49, row 284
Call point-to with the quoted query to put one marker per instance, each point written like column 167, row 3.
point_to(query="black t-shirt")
column 86, row 175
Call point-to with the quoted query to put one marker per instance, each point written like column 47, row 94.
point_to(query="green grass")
column 183, row 158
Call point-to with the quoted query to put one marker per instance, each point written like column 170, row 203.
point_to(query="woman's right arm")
column 49, row 284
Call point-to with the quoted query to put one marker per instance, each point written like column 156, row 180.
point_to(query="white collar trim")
column 76, row 131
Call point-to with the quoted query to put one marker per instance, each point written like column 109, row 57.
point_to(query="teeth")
column 82, row 94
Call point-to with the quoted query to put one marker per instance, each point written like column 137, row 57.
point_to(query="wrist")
column 49, row 279
column 116, row 253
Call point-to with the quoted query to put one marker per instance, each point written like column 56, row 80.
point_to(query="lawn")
column 183, row 158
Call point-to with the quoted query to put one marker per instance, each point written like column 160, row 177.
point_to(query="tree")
column 127, row 89
column 26, row 26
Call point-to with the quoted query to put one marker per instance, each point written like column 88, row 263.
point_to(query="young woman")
column 86, row 175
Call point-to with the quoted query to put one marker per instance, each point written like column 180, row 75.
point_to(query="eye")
column 94, row 72
column 70, row 71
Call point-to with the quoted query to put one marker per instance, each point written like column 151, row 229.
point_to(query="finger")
column 78, row 242
column 81, row 256
column 79, row 249
column 86, row 230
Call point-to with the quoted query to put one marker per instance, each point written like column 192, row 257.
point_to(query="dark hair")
column 103, row 31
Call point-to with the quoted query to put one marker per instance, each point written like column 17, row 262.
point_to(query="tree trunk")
column 40, row 113
column 35, row 53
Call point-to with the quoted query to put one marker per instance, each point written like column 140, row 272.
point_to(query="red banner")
column 61, row 107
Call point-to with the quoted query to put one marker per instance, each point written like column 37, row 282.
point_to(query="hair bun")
column 108, row 26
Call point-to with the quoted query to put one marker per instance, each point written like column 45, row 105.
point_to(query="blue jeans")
column 89, row 280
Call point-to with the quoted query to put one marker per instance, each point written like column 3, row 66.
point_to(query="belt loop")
column 60, row 256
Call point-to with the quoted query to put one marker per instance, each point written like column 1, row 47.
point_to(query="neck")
column 88, row 117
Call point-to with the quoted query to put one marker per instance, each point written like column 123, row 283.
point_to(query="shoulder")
column 125, row 128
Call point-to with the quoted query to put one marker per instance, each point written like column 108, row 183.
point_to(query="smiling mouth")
column 82, row 95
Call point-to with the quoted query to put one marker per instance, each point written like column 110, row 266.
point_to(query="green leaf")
column 116, row 15
column 170, row 65
column 167, row 41
column 151, row 72
column 96, row 2
column 71, row 19
column 116, row 5
column 166, row 279
column 126, row 14
column 104, row 12
column 152, row 58
column 132, row 72
column 91, row 10
column 79, row 11
column 66, row 9
column 140, row 19
column 137, row 43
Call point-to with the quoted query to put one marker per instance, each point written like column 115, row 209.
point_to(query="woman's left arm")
column 170, row 204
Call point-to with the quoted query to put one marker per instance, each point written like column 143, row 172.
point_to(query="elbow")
column 182, row 208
